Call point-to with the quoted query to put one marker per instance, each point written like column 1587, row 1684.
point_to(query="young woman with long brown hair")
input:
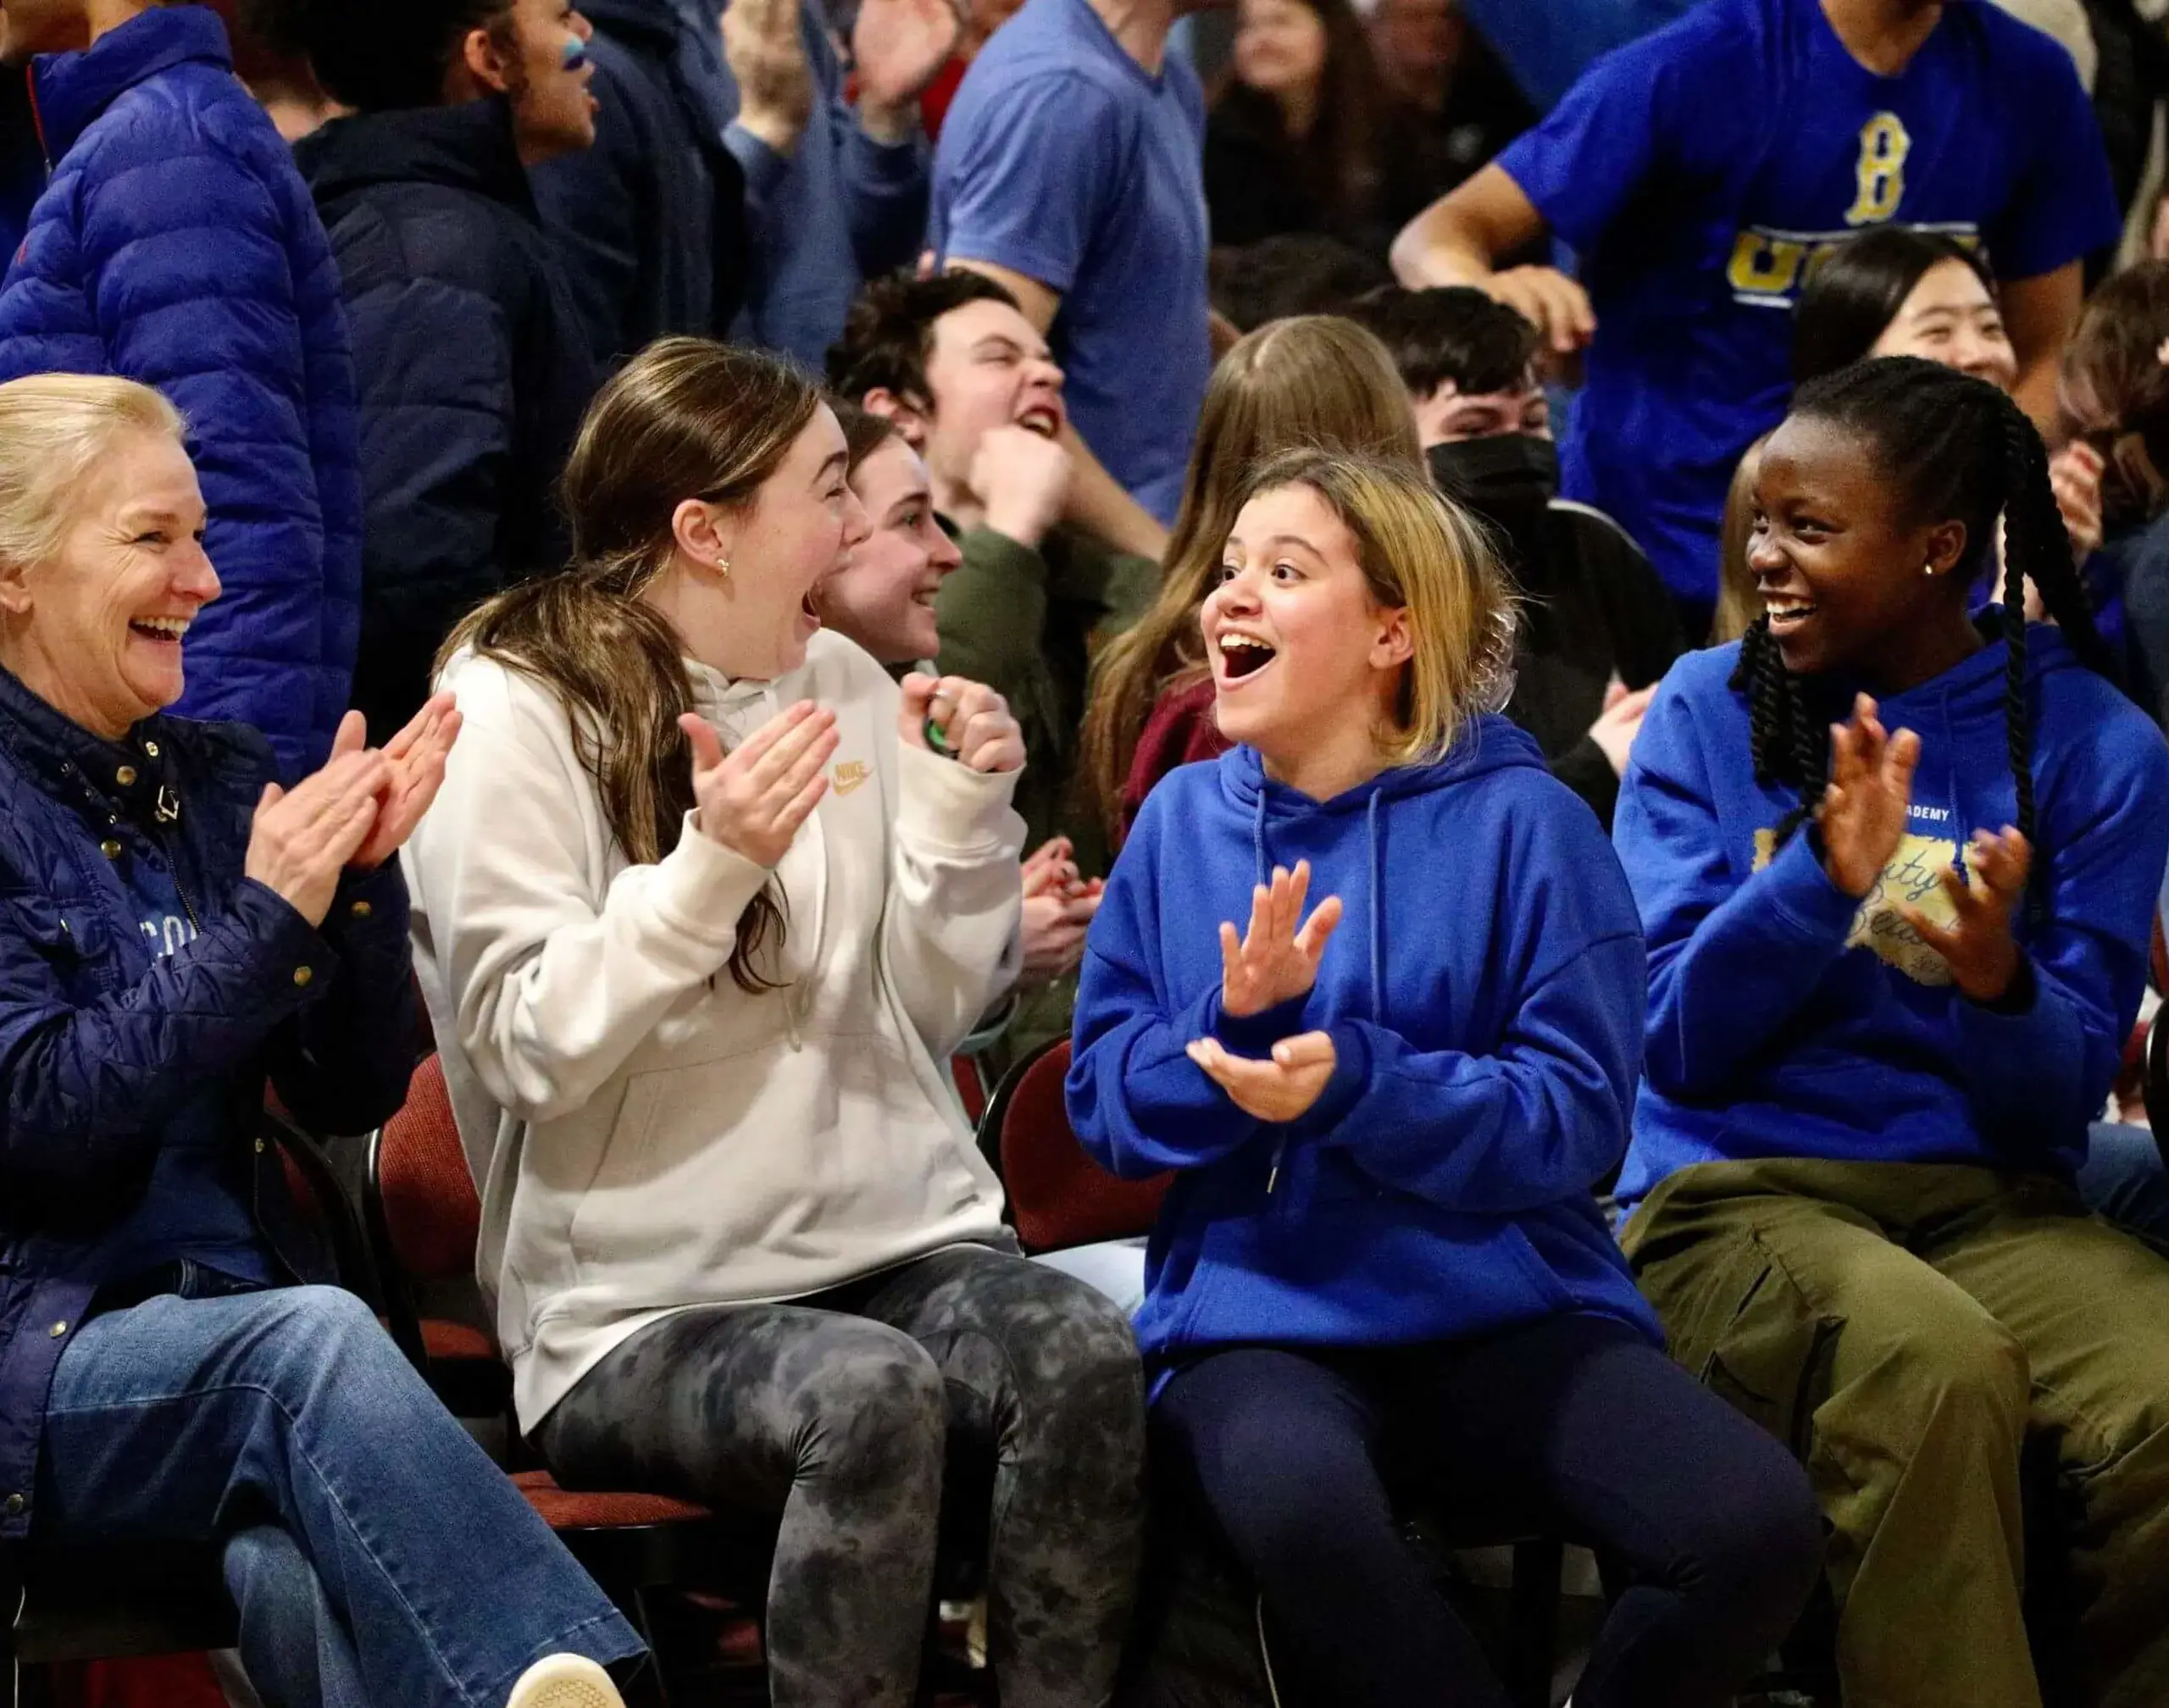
column 705, row 902
column 1314, row 380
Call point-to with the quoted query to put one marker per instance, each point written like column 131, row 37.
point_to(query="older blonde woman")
column 174, row 932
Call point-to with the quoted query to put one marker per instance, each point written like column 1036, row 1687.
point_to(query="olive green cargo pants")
column 1907, row 1328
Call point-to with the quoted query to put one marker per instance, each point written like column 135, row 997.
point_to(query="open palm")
column 1871, row 789
column 897, row 46
column 1274, row 962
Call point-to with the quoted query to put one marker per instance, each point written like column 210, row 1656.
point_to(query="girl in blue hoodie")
column 1896, row 869
column 1379, row 1273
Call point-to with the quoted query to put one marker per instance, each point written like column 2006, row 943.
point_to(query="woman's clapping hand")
column 1274, row 962
column 753, row 799
column 974, row 721
column 1284, row 1087
column 416, row 756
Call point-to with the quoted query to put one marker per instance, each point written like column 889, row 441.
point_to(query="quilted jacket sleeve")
column 343, row 1067
column 85, row 1091
column 189, row 281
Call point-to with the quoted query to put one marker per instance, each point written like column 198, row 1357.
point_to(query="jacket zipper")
column 165, row 815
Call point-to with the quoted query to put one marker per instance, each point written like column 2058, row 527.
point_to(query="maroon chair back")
column 432, row 1214
column 1058, row 1196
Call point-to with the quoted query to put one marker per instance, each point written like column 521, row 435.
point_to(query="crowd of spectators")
column 1539, row 633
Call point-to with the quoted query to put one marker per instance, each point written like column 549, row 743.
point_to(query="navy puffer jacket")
column 474, row 374
column 176, row 244
column 106, row 1052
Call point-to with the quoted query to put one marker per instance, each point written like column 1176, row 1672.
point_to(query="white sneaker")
column 564, row 1681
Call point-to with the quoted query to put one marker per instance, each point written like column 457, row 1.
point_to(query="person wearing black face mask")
column 1598, row 627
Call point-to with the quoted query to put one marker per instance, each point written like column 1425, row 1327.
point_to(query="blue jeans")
column 375, row 1554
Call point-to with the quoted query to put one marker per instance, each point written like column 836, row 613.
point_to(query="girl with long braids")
column 1895, row 867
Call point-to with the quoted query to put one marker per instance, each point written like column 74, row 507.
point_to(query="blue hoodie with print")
column 1788, row 1019
column 1484, row 996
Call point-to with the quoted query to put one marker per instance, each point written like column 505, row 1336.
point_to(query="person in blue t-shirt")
column 1379, row 1270
column 1892, row 963
column 1700, row 172
column 1071, row 170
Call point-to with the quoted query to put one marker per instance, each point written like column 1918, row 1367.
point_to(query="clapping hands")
column 357, row 812
column 1059, row 904
column 1274, row 962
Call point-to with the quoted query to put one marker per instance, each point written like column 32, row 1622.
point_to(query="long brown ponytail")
column 686, row 418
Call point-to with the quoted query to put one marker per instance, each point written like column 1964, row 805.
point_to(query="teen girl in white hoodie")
column 700, row 914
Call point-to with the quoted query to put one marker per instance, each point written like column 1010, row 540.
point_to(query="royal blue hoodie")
column 1484, row 996
column 1788, row 1019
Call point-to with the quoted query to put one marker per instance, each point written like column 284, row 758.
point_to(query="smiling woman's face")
column 96, row 629
column 1292, row 631
column 883, row 598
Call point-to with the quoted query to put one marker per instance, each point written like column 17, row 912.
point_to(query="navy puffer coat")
column 176, row 244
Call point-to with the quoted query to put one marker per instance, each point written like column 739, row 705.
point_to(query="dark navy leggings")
column 1575, row 1425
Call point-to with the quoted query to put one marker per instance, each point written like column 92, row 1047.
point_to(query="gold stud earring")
column 722, row 567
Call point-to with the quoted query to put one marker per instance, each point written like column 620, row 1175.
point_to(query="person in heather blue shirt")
column 1700, row 172
column 1892, row 963
column 1071, row 169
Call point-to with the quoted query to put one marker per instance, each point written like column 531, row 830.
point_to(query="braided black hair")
column 1965, row 452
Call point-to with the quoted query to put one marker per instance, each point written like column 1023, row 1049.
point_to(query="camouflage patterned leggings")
column 841, row 1410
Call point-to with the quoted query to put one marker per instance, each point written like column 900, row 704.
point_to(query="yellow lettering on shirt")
column 1881, row 173
column 1913, row 876
column 850, row 774
column 1763, row 265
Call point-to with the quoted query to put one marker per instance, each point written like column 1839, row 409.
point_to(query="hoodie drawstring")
column 1378, row 912
column 1265, row 876
column 1378, row 943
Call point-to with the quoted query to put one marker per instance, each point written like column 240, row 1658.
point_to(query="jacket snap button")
column 15, row 1504
column 303, row 974
column 151, row 748
column 110, row 849
column 259, row 1147
column 362, row 910
column 125, row 775
column 59, row 1330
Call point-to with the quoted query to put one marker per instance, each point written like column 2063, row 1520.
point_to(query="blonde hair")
column 54, row 428
column 1419, row 550
column 1739, row 605
column 1318, row 382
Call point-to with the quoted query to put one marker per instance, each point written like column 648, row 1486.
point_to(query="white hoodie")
column 646, row 1135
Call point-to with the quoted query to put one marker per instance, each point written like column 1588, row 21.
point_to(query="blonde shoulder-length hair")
column 53, row 429
column 1316, row 381
column 1420, row 552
